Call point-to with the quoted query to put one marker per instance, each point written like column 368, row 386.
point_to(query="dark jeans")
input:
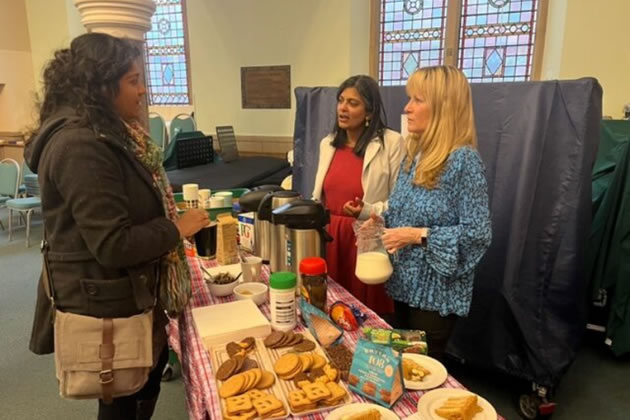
column 438, row 328
column 127, row 408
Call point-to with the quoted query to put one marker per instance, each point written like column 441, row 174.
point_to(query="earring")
column 367, row 122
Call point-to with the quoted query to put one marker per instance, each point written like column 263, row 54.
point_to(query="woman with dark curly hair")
column 110, row 221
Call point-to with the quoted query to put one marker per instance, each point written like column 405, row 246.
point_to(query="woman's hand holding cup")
column 191, row 222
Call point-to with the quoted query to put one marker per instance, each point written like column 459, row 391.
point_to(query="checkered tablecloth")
column 201, row 389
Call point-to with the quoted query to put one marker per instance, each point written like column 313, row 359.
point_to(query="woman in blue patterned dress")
column 438, row 218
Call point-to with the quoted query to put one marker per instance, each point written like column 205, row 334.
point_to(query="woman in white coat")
column 358, row 166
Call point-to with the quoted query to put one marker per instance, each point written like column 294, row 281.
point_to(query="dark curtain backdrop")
column 538, row 141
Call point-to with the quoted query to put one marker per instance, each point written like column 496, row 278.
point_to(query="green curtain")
column 608, row 250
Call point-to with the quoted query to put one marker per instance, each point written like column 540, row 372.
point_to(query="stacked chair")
column 25, row 205
column 9, row 182
column 181, row 123
column 158, row 130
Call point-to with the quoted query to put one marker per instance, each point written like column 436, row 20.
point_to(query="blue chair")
column 157, row 130
column 9, row 181
column 25, row 171
column 181, row 123
column 26, row 205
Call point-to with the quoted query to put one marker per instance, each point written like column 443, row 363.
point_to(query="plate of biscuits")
column 247, row 386
column 449, row 403
column 422, row 372
column 308, row 380
column 362, row 411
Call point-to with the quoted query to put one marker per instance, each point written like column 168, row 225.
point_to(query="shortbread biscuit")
column 286, row 364
column 267, row 405
column 267, row 379
column 318, row 361
column 238, row 404
column 316, row 391
column 232, row 386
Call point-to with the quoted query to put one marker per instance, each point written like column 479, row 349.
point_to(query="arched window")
column 490, row 40
column 167, row 55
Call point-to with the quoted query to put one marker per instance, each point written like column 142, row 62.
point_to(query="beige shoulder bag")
column 100, row 358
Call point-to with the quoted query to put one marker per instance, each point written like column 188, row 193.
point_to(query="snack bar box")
column 232, row 321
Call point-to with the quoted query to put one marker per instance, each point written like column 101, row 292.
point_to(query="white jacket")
column 381, row 164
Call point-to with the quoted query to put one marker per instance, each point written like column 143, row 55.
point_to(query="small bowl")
column 252, row 290
column 219, row 290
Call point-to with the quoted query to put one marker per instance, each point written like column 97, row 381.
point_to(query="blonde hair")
column 451, row 123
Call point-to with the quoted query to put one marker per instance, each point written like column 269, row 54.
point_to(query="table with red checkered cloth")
column 201, row 390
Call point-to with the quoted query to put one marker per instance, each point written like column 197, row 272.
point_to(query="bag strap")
column 47, row 279
column 107, row 350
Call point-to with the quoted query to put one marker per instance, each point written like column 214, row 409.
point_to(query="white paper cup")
column 204, row 196
column 190, row 192
column 251, row 267
column 216, row 202
column 227, row 197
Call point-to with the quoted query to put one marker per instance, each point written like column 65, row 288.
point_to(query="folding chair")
column 9, row 182
column 26, row 205
column 182, row 123
column 157, row 129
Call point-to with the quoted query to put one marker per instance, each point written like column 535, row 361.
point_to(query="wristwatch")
column 423, row 241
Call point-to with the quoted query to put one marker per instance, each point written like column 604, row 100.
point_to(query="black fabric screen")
column 538, row 141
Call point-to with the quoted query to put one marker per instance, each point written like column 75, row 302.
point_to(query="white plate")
column 433, row 400
column 233, row 269
column 353, row 408
column 436, row 378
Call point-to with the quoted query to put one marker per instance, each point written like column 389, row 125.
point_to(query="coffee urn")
column 306, row 222
column 250, row 202
column 278, row 247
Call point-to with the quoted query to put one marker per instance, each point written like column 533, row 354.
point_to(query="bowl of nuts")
column 222, row 281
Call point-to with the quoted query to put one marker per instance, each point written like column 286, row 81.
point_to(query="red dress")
column 341, row 184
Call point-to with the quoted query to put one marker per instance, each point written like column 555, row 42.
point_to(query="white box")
column 246, row 231
column 232, row 321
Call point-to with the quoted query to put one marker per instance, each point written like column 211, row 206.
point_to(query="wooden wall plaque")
column 266, row 87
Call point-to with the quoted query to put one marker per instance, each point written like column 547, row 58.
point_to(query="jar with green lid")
column 282, row 301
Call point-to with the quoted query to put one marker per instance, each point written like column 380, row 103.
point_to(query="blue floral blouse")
column 440, row 276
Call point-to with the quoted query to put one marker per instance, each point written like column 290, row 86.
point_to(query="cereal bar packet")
column 376, row 373
column 405, row 341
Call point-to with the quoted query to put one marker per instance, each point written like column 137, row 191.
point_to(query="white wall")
column 49, row 30
column 16, row 72
column 324, row 42
column 589, row 38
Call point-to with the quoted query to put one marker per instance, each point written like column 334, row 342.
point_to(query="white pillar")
column 129, row 19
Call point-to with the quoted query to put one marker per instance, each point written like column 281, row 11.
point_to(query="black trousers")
column 127, row 408
column 438, row 328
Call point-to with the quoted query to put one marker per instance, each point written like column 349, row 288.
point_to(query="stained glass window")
column 497, row 39
column 412, row 36
column 167, row 56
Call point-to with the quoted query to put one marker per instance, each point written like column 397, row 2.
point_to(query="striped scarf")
column 175, row 283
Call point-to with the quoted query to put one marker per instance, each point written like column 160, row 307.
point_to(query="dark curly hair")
column 85, row 77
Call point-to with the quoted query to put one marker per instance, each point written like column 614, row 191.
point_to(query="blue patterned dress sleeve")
column 456, row 250
column 440, row 277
